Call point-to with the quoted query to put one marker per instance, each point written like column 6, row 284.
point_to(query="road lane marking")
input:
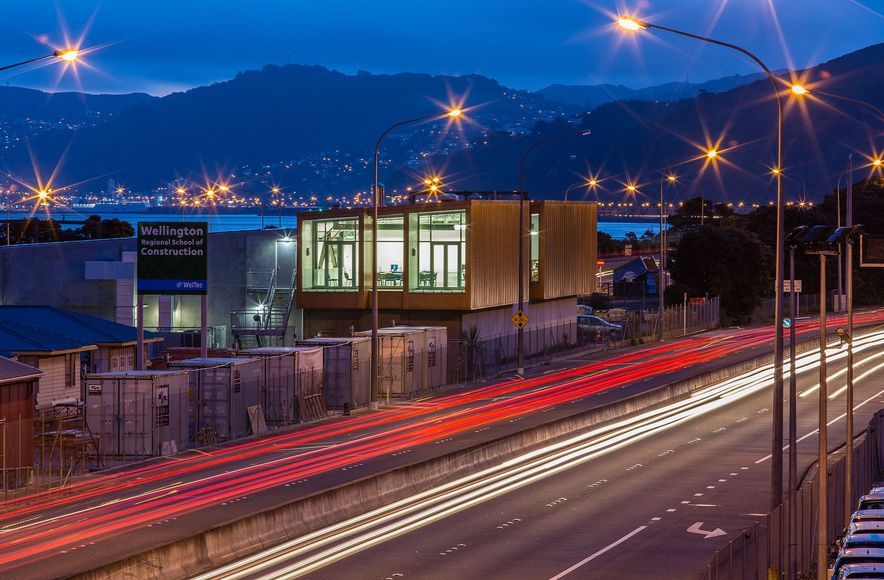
column 597, row 554
column 696, row 528
column 839, row 417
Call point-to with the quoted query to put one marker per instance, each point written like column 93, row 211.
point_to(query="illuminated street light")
column 631, row 188
column 776, row 480
column 180, row 191
column 712, row 154
column 876, row 163
column 799, row 90
column 631, row 24
column 520, row 368
column 455, row 113
column 69, row 55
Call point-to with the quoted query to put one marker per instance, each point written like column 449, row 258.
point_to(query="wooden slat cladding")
column 493, row 253
column 568, row 249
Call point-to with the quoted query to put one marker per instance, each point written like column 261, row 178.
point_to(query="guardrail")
column 765, row 549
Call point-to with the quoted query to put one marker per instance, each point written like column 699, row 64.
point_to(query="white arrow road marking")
column 695, row 529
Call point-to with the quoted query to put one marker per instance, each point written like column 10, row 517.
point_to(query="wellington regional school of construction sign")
column 172, row 257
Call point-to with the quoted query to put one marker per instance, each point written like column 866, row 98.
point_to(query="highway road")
column 651, row 496
column 108, row 516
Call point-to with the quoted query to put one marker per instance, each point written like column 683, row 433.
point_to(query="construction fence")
column 476, row 357
column 766, row 549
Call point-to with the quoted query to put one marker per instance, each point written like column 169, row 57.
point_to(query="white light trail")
column 339, row 541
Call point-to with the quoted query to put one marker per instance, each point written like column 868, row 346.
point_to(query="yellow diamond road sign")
column 520, row 319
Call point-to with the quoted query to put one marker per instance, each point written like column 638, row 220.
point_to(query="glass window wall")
column 391, row 252
column 332, row 254
column 441, row 251
column 535, row 247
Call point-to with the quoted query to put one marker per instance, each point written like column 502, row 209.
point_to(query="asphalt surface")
column 108, row 516
column 656, row 507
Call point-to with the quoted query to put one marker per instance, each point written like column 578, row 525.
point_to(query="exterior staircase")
column 265, row 325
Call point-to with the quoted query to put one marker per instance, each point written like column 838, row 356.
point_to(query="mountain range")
column 589, row 97
column 312, row 130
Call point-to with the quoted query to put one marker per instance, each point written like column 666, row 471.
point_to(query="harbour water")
column 227, row 222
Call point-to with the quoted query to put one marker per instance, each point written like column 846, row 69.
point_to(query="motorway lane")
column 620, row 515
column 147, row 505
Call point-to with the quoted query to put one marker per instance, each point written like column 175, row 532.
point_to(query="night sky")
column 160, row 46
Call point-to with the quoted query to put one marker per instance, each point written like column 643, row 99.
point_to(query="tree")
column 696, row 210
column 725, row 262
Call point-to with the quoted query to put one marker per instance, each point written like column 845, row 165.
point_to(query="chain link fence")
column 766, row 549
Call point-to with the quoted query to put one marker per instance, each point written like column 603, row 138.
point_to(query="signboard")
column 162, row 406
column 172, row 257
column 409, row 358
column 787, row 286
column 787, row 322
column 871, row 251
column 93, row 389
column 431, row 353
column 520, row 319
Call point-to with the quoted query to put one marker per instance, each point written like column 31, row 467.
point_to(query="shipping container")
column 136, row 414
column 403, row 362
column 221, row 392
column 292, row 375
column 437, row 355
column 346, row 370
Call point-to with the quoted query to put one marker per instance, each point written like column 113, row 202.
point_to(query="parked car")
column 867, row 516
column 874, row 500
column 870, row 540
column 849, row 556
column 596, row 328
column 857, row 571
column 862, row 533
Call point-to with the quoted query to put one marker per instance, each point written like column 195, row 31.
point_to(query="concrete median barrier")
column 231, row 540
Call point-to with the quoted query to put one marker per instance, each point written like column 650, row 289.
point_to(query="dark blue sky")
column 160, row 46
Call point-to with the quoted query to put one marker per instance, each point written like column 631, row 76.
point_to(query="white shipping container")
column 221, row 391
column 138, row 413
column 346, row 370
column 437, row 355
column 290, row 374
column 403, row 362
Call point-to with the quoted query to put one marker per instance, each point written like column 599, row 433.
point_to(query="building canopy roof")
column 46, row 328
column 11, row 371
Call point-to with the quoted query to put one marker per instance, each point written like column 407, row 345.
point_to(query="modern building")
column 250, row 274
column 445, row 263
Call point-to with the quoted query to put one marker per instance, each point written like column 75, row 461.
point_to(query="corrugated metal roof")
column 39, row 328
column 10, row 370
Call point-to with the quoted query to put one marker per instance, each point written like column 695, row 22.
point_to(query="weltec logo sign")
column 172, row 257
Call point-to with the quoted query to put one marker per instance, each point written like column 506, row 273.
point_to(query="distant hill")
column 278, row 114
column 313, row 130
column 592, row 96
column 17, row 103
column 641, row 139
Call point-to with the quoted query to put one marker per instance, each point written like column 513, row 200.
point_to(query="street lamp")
column 70, row 55
column 660, row 282
column 589, row 183
column 776, row 479
column 519, row 343
column 454, row 114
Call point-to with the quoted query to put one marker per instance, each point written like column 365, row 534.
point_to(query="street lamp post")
column 67, row 55
column 590, row 183
column 519, row 344
column 661, row 286
column 776, row 479
column 375, row 202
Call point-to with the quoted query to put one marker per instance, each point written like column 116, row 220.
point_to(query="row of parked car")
column 859, row 552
